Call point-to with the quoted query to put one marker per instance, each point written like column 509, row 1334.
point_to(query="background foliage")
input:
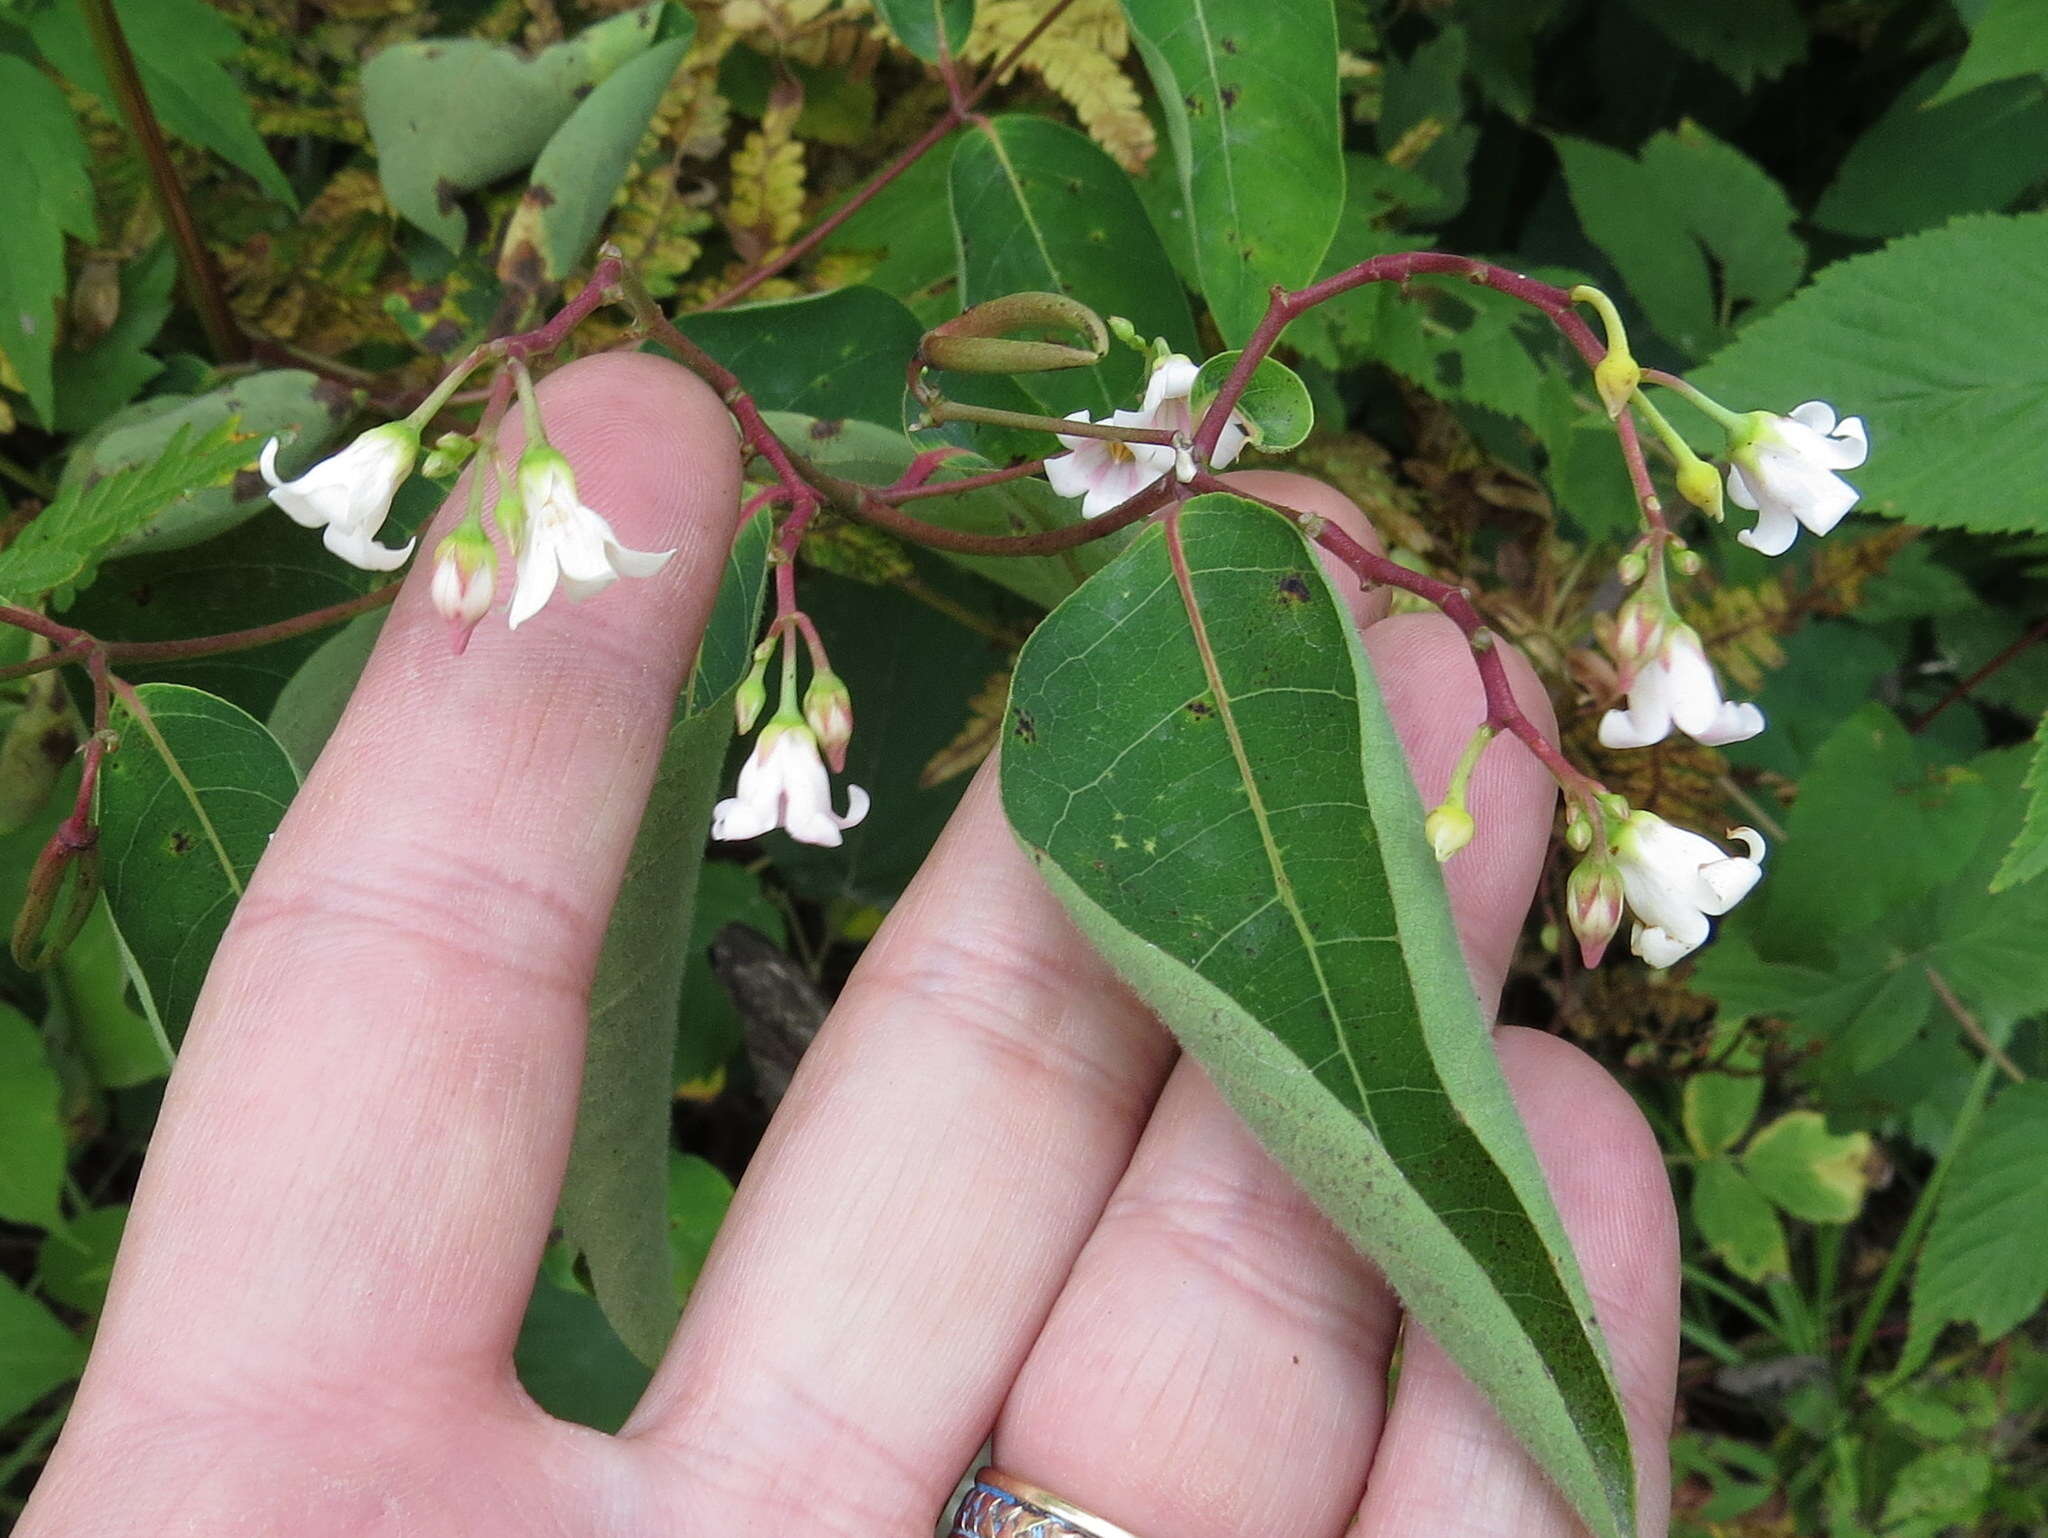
column 1840, row 199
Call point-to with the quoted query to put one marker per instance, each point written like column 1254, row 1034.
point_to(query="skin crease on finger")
column 382, row 1459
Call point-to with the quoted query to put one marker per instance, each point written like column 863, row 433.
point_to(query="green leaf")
column 1984, row 1263
column 32, row 1144
column 1955, row 391
column 74, row 1265
column 37, row 1354
column 1809, row 1171
column 1282, row 912
column 1918, row 165
column 1738, row 1224
column 118, row 1043
column 921, row 24
column 2008, row 40
column 906, row 229
column 864, row 451
column 615, row 1197
column 2028, row 856
column 187, row 805
column 698, row 1196
column 1037, row 207
column 454, row 114
column 1423, row 102
column 1756, row 40
column 1944, row 1489
column 303, row 410
column 582, row 165
column 1736, row 210
column 1275, row 402
column 572, row 1361
column 1717, row 1109
column 181, row 49
column 1249, row 93
column 47, row 192
column 95, row 382
column 60, row 551
column 840, row 354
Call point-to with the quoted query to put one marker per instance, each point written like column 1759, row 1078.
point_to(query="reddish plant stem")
column 923, row 466
column 900, row 493
column 959, row 108
column 1961, row 689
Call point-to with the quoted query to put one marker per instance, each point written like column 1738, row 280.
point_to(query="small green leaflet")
column 60, row 552
column 923, row 26
column 1275, row 401
column 2028, row 856
column 187, row 804
column 1282, row 912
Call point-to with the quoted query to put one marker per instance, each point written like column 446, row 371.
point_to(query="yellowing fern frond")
column 1080, row 56
column 767, row 203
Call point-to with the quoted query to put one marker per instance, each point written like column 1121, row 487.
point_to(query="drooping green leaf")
column 181, row 49
column 1812, row 1173
column 2008, row 40
column 1918, row 165
column 1037, row 207
column 835, row 355
column 920, row 25
column 1249, row 92
column 586, row 159
column 32, row 1143
column 75, row 1265
column 1755, row 40
column 1282, row 912
column 1738, row 1223
column 37, row 1354
column 60, row 552
column 453, row 114
column 2028, row 856
column 47, row 195
column 1984, row 1263
column 1954, row 390
column 187, row 805
column 1275, row 401
column 614, row 1205
column 299, row 408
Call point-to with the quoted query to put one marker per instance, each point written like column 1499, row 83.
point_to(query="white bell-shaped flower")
column 1784, row 468
column 349, row 494
column 1675, row 686
column 1675, row 880
column 1105, row 474
column 562, row 542
column 783, row 784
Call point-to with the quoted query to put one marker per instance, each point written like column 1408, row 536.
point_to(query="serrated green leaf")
column 614, row 1205
column 2008, row 40
column 60, row 552
column 1038, row 208
column 1755, row 40
column 1984, row 1263
column 1282, row 912
column 32, row 1143
column 453, row 114
column 187, row 805
column 1735, row 209
column 37, row 1354
column 1275, row 401
column 1809, row 1171
column 1738, row 1224
column 1918, row 165
column 2028, row 856
column 586, row 159
column 832, row 355
column 920, row 25
column 46, row 190
column 1248, row 89
column 181, row 50
column 1717, row 1109
column 1954, row 387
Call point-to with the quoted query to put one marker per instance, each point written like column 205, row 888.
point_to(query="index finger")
column 360, row 1147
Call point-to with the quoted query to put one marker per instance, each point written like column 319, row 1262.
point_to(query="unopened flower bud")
column 1632, row 567
column 1687, row 561
column 451, row 451
column 1578, row 828
column 1616, row 377
column 1640, row 625
column 465, row 578
column 1448, row 829
column 828, row 710
column 1594, row 905
column 1700, row 484
column 751, row 698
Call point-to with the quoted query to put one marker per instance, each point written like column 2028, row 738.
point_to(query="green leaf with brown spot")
column 1199, row 762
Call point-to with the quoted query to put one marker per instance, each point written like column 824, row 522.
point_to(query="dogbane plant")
column 1212, row 584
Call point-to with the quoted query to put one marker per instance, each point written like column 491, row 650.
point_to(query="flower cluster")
column 1105, row 472
column 784, row 783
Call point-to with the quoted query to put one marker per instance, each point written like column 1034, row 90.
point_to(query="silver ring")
column 1000, row 1505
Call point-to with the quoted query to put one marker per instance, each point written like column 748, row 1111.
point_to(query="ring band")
column 999, row 1505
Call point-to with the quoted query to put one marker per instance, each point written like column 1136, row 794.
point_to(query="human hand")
column 992, row 1198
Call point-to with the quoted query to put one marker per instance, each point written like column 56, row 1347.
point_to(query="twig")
column 1962, row 690
column 1973, row 1027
